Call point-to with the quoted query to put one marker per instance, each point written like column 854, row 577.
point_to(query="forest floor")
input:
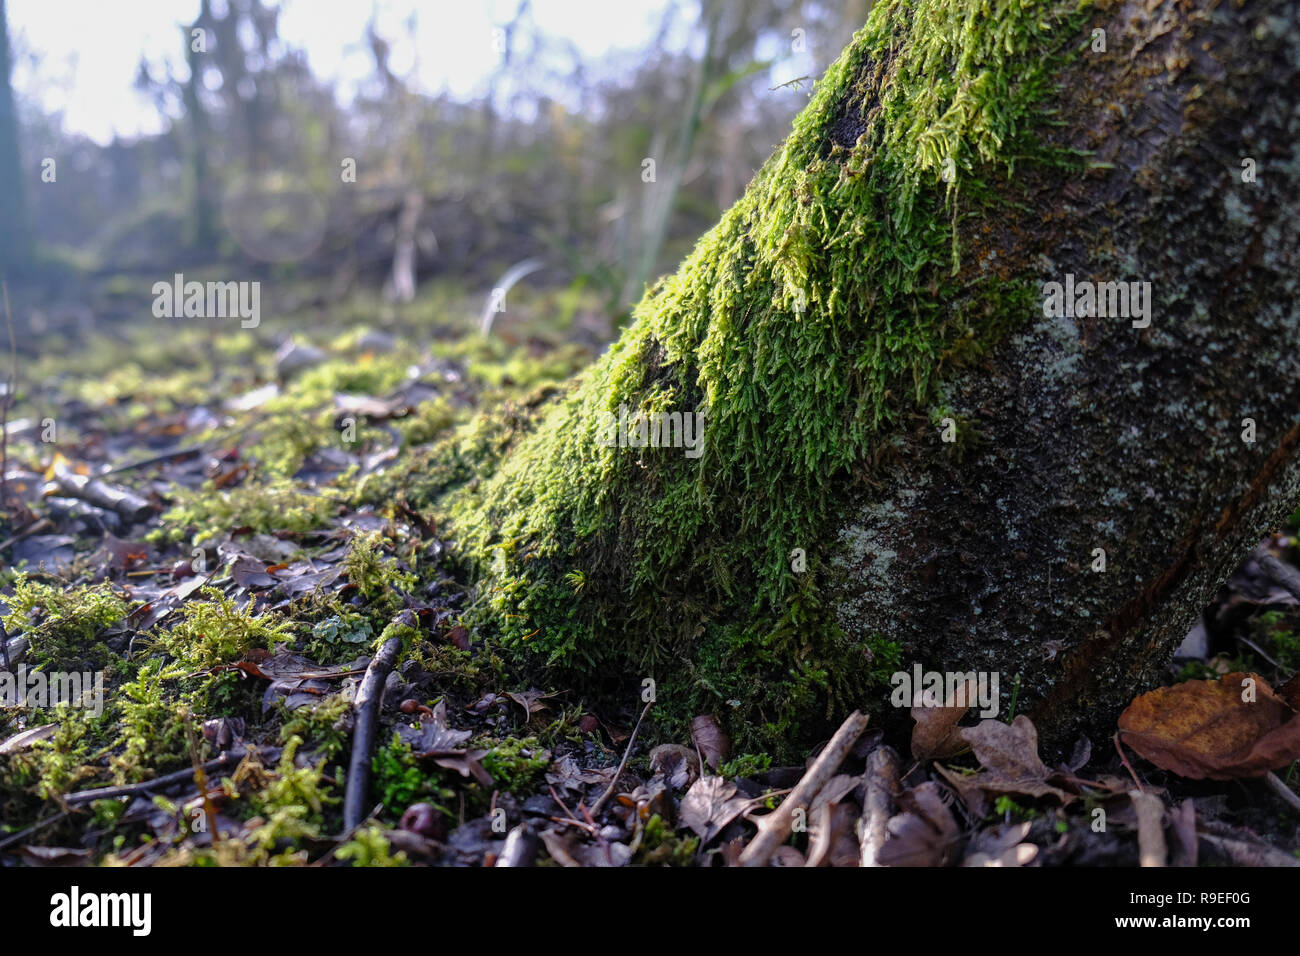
column 212, row 532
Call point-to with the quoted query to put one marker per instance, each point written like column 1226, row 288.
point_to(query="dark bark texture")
column 1085, row 433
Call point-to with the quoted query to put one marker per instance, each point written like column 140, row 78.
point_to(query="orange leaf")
column 1205, row 729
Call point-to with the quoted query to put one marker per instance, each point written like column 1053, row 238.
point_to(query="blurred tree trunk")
column 15, row 237
column 202, row 217
column 664, row 194
column 1106, row 474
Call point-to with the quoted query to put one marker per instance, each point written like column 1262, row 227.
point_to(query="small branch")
column 167, row 780
column 123, row 502
column 1282, row 791
column 1239, row 853
column 774, row 828
column 1280, row 572
column 1152, row 849
column 878, row 803
column 622, row 763
column 366, row 705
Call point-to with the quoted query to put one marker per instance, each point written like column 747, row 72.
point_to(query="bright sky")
column 90, row 49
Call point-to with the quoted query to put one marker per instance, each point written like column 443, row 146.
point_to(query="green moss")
column 151, row 730
column 685, row 560
column 214, row 630
column 377, row 577
column 746, row 765
column 63, row 624
column 516, row 764
column 322, row 726
column 207, row 513
column 369, row 847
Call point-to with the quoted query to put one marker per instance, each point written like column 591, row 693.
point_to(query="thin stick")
column 1287, row 795
column 363, row 740
column 878, row 803
column 166, row 780
column 22, row 835
column 1152, row 849
column 622, row 763
column 1127, row 766
column 774, row 828
column 201, row 779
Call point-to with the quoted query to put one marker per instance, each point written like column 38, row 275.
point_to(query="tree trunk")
column 907, row 459
column 15, row 240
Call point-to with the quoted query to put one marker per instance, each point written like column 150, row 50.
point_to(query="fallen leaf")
column 1204, row 729
column 936, row 733
column 677, row 764
column 1009, row 755
column 925, row 834
column 832, row 834
column 23, row 740
column 567, row 849
column 708, row 736
column 709, row 805
column 1001, row 845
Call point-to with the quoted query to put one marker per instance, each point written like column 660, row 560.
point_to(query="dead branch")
column 774, row 828
column 366, row 705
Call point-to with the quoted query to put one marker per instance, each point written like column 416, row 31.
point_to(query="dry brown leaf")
column 832, row 835
column 1205, row 729
column 936, row 733
column 1001, row 845
column 714, row 744
column 1009, row 755
column 925, row 834
column 710, row 805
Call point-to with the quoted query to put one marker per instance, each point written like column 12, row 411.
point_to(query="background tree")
column 15, row 239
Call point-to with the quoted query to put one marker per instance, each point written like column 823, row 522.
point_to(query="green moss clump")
column 263, row 508
column 817, row 314
column 515, row 763
column 63, row 624
column 369, row 847
column 214, row 630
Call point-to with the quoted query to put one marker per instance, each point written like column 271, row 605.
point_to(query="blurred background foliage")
column 546, row 161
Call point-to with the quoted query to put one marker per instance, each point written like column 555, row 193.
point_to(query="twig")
column 43, row 525
column 1285, row 793
column 1237, row 853
column 1280, row 572
column 595, row 809
column 775, row 827
column 201, row 779
column 166, row 780
column 347, row 835
column 22, row 835
column 877, row 804
column 366, row 705
column 125, row 503
column 1152, row 849
column 1127, row 766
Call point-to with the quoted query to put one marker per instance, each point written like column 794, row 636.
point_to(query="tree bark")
column 831, row 343
column 1094, row 434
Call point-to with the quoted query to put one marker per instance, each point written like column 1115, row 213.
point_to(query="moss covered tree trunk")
column 906, row 458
